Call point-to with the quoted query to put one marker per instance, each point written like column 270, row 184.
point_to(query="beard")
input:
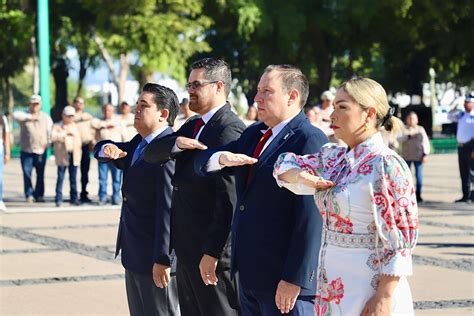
column 194, row 103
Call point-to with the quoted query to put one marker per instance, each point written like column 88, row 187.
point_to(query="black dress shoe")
column 85, row 199
column 462, row 200
column 75, row 202
column 39, row 199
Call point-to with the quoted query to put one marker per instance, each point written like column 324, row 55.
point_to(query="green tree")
column 148, row 36
column 16, row 29
column 429, row 34
column 392, row 41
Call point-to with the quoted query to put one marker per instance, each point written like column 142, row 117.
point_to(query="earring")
column 366, row 126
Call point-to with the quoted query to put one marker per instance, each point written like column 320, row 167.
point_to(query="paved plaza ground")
column 60, row 261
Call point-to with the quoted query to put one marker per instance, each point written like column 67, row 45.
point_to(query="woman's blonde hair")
column 369, row 93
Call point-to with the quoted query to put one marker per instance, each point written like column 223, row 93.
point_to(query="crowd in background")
column 75, row 135
column 73, row 139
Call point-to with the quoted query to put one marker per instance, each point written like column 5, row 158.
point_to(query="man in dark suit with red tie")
column 144, row 229
column 202, row 208
column 275, row 234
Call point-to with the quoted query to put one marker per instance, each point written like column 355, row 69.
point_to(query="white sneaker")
column 2, row 206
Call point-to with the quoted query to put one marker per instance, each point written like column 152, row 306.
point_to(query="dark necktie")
column 139, row 150
column 258, row 150
column 197, row 127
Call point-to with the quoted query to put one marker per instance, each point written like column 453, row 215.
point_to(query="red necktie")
column 258, row 150
column 197, row 127
column 261, row 143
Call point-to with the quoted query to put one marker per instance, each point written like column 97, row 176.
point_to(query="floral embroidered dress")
column 370, row 223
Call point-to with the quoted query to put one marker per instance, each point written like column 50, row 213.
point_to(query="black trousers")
column 466, row 166
column 85, row 166
column 146, row 299
column 197, row 299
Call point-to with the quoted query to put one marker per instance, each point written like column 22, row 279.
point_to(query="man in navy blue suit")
column 275, row 235
column 144, row 229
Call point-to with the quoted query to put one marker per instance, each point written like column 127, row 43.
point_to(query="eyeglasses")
column 197, row 84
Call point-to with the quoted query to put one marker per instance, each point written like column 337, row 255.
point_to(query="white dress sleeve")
column 312, row 164
column 395, row 213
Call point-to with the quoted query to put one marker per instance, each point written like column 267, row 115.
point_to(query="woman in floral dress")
column 368, row 204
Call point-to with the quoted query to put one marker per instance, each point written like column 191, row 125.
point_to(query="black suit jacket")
column 144, row 229
column 202, row 208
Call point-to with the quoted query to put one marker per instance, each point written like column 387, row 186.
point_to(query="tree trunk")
column 122, row 77
column 350, row 66
column 416, row 72
column 323, row 60
column 82, row 74
column 107, row 58
column 150, row 78
column 3, row 93
column 144, row 77
column 60, row 74
column 324, row 74
column 11, row 101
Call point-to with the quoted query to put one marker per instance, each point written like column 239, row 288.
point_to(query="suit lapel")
column 133, row 146
column 248, row 150
column 276, row 143
column 283, row 137
column 209, row 127
column 140, row 160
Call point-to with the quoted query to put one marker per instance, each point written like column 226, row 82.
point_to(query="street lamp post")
column 43, row 49
column 433, row 99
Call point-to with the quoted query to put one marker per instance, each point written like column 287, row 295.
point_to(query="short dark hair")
column 184, row 101
column 292, row 78
column 215, row 70
column 107, row 105
column 165, row 98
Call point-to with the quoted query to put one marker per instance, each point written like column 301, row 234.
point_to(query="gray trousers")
column 145, row 298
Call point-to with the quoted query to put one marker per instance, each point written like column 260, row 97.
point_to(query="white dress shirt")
column 206, row 118
column 465, row 131
column 213, row 163
column 148, row 139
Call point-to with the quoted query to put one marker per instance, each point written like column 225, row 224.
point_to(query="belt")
column 350, row 240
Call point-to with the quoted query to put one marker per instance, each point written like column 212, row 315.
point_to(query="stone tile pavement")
column 58, row 261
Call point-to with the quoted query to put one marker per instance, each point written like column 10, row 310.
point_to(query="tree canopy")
column 392, row 41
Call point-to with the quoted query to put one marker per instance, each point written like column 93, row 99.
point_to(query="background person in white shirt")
column 127, row 120
column 465, row 139
column 185, row 114
column 67, row 152
column 35, row 138
column 415, row 147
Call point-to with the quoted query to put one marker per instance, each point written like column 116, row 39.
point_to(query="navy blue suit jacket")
column 144, row 229
column 275, row 234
